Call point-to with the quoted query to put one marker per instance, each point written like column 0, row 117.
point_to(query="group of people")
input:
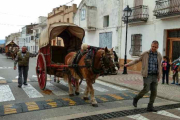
column 174, row 66
column 1, row 50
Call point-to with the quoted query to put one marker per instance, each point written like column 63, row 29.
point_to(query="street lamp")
column 127, row 13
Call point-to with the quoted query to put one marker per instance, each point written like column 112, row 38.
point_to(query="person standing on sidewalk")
column 176, row 61
column 175, row 73
column 165, row 69
column 22, row 59
column 151, row 72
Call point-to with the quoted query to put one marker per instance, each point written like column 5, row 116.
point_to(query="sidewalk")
column 133, row 80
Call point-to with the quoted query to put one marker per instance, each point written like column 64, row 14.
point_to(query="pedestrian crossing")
column 172, row 114
column 6, row 93
column 32, row 90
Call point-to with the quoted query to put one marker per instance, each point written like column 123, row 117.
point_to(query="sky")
column 14, row 14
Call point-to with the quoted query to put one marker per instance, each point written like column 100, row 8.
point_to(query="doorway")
column 173, row 44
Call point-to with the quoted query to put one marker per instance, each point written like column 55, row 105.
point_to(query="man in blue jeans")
column 22, row 59
column 151, row 72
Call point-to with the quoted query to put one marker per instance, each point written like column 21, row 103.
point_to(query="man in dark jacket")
column 22, row 59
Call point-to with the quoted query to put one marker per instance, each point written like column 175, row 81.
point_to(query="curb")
column 137, row 90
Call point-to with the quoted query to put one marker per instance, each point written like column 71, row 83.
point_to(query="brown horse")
column 103, row 60
column 14, row 53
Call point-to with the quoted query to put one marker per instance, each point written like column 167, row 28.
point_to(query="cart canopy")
column 11, row 43
column 55, row 29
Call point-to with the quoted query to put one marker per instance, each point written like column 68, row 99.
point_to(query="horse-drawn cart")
column 11, row 49
column 60, row 54
column 55, row 43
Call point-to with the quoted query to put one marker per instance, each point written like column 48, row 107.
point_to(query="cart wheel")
column 41, row 71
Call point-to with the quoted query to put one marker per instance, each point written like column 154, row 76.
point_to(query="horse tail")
column 68, row 61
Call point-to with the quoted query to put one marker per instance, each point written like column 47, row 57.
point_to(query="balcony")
column 167, row 9
column 139, row 14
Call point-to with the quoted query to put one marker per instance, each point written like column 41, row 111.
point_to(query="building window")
column 174, row 34
column 136, row 44
column 32, row 37
column 67, row 20
column 83, row 14
column 105, row 40
column 106, row 21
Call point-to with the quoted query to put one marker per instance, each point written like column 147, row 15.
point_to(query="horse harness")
column 89, row 61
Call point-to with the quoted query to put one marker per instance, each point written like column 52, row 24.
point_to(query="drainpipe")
column 120, row 27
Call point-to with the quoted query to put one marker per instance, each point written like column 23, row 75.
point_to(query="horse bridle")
column 105, row 63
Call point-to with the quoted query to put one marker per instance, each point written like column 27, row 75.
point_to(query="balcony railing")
column 167, row 8
column 139, row 14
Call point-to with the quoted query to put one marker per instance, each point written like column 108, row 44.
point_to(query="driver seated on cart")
column 22, row 59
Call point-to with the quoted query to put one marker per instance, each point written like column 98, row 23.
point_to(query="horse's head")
column 107, row 61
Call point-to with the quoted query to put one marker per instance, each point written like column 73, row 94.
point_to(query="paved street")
column 29, row 102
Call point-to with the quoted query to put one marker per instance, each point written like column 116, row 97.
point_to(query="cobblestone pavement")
column 133, row 80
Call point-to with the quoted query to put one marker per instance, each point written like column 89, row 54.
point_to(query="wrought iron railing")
column 167, row 8
column 139, row 13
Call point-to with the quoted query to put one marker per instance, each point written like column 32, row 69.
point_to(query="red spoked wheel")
column 41, row 71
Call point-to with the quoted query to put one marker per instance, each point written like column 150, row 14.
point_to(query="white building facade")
column 101, row 20
column 152, row 20
column 27, row 38
column 42, row 23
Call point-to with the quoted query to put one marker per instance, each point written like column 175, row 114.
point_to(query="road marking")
column 6, row 67
column 15, row 81
column 64, row 83
column 137, row 117
column 55, row 89
column 165, row 113
column 3, row 81
column 110, row 85
column 100, row 89
column 116, row 96
column 8, row 109
column 31, row 91
column 34, row 75
column 1, row 78
column 32, row 106
column 52, row 104
column 71, row 102
column 6, row 93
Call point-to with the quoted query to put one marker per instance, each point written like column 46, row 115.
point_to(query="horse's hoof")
column 77, row 93
column 86, row 98
column 95, row 105
column 71, row 95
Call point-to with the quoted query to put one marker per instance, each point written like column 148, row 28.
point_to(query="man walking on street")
column 22, row 59
column 151, row 72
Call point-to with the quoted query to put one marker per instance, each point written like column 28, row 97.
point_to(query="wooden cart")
column 56, row 41
column 11, row 49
